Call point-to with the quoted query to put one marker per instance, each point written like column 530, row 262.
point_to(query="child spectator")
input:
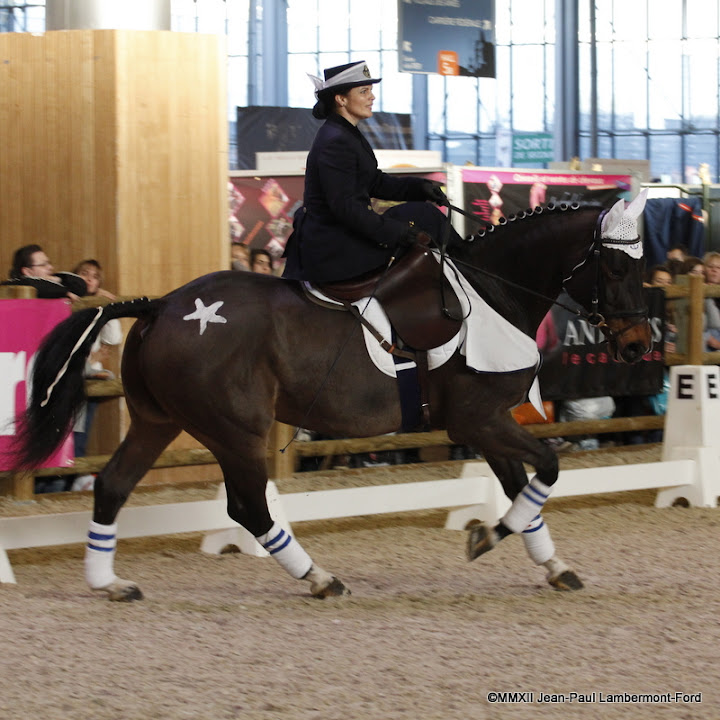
column 111, row 334
column 261, row 261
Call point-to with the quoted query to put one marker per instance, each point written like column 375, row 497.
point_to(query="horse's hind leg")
column 245, row 481
column 536, row 536
column 141, row 447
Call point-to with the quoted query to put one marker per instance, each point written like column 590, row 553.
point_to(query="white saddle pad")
column 487, row 340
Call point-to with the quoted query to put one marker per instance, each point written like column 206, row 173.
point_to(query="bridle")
column 594, row 317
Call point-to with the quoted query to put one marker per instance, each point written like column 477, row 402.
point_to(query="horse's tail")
column 56, row 384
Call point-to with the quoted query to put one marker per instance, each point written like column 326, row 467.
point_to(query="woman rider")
column 337, row 235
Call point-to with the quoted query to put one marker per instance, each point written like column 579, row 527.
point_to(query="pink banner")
column 23, row 324
column 493, row 194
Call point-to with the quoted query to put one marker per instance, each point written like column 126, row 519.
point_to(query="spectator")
column 692, row 265
column 110, row 334
column 240, row 256
column 261, row 261
column 32, row 267
column 659, row 276
column 712, row 305
column 91, row 272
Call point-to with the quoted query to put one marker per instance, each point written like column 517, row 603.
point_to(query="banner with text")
column 576, row 362
column 23, row 324
column 449, row 37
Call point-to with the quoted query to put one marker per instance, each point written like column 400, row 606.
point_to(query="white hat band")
column 358, row 73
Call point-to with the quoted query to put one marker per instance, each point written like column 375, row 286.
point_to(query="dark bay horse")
column 225, row 355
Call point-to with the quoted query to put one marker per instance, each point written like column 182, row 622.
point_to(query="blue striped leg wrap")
column 100, row 554
column 538, row 543
column 286, row 550
column 526, row 506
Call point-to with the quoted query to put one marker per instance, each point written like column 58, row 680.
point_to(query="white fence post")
column 692, row 432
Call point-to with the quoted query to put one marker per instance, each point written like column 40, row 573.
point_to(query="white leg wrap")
column 100, row 555
column 286, row 550
column 538, row 543
column 526, row 506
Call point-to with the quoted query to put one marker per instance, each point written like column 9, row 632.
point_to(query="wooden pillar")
column 114, row 147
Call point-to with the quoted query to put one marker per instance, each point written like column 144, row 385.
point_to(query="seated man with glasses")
column 32, row 267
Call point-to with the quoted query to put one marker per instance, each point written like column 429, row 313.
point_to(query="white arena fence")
column 689, row 470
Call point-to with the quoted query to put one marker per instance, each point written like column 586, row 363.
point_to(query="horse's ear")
column 635, row 208
column 613, row 217
column 619, row 212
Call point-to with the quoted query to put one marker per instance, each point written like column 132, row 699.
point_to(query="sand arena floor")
column 424, row 635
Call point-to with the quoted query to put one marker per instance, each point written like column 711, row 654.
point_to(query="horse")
column 227, row 354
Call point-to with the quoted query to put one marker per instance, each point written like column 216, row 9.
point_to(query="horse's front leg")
column 536, row 536
column 509, row 445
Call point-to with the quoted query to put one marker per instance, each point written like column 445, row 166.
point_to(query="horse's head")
column 617, row 301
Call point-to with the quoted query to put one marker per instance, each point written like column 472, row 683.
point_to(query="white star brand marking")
column 206, row 314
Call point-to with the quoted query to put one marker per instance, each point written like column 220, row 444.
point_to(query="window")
column 21, row 16
column 325, row 33
column 519, row 99
column 232, row 20
column 657, row 73
column 657, row 84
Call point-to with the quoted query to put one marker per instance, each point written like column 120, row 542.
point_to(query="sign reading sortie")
column 23, row 324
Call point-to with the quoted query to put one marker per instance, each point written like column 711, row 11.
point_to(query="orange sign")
column 448, row 63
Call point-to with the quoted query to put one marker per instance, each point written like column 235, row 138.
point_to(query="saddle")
column 419, row 301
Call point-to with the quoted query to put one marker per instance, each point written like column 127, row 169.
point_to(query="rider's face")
column 357, row 104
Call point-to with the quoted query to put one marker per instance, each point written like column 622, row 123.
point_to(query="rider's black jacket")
column 337, row 235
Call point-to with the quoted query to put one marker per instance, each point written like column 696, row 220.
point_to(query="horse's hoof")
column 123, row 593
column 566, row 581
column 481, row 539
column 334, row 588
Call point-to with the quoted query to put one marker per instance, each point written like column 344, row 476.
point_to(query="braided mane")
column 532, row 214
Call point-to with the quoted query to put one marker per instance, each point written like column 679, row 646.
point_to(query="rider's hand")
column 410, row 237
column 435, row 194
column 414, row 235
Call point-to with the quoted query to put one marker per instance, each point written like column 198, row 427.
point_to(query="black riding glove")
column 434, row 193
column 414, row 235
column 410, row 237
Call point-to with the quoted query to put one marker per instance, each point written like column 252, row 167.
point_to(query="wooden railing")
column 283, row 464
